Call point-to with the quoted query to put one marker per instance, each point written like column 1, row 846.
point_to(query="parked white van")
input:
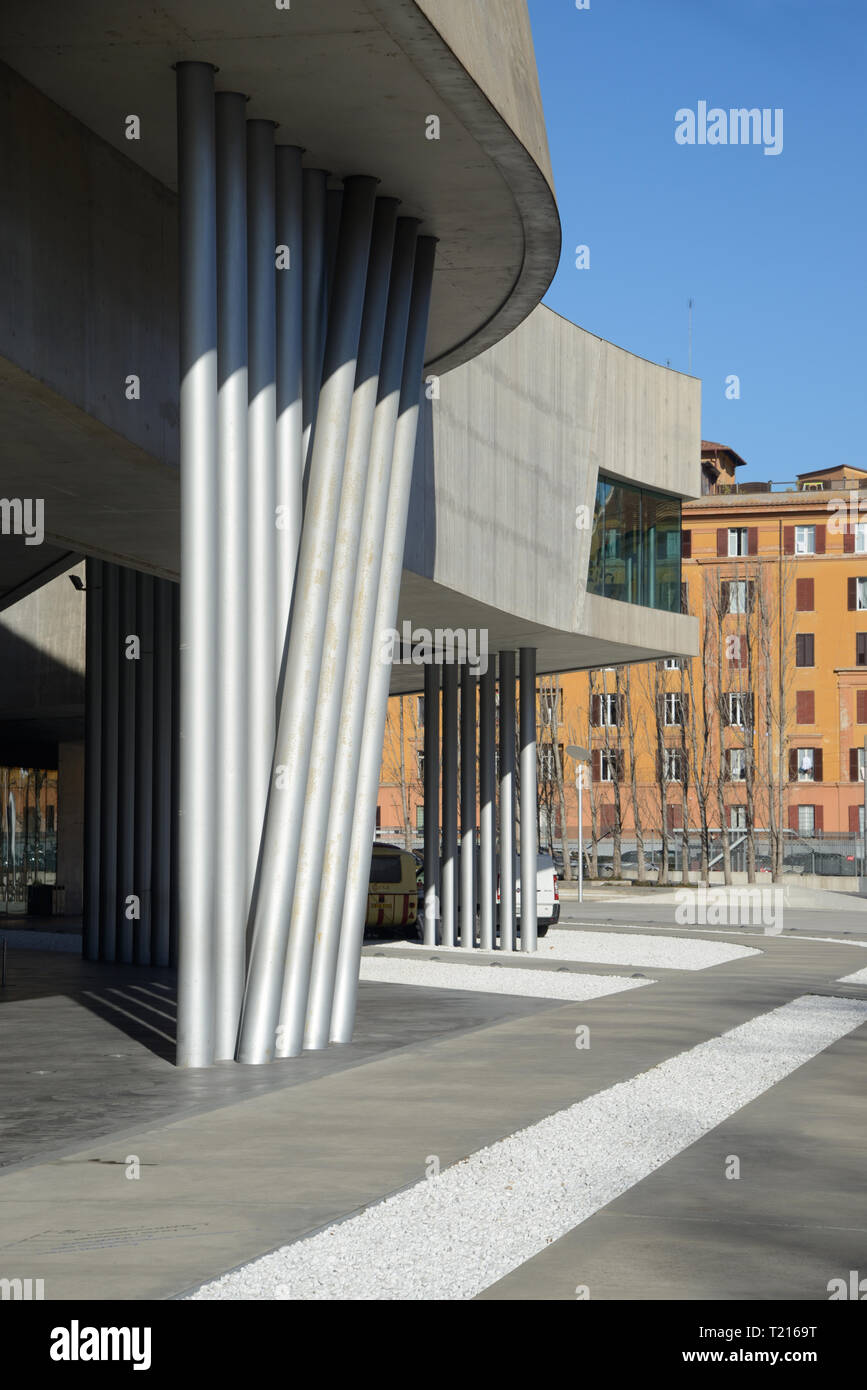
column 547, row 894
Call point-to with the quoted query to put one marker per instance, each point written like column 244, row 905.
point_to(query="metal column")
column 92, row 755
column 468, row 807
column 298, row 1009
column 431, row 802
column 507, row 801
column 290, row 363
column 126, row 885
column 529, row 799
column 488, row 809
column 281, row 837
column 343, row 807
column 232, row 848
column 449, row 871
column 198, row 466
column 111, row 659
column 394, row 542
column 314, row 299
column 261, row 457
column 144, row 765
column 161, row 904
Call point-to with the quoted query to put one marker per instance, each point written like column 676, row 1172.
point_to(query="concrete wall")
column 511, row 451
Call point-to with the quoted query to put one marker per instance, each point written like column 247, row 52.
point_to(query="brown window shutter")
column 727, row 765
column 744, row 652
column 805, row 707
column 752, row 540
column 686, row 545
column 595, row 710
column 861, row 707
column 675, row 815
column 793, row 817
column 596, row 763
column 817, row 765
column 861, row 648
column 853, row 764
column 722, row 541
column 793, row 764
column 684, row 700
column 849, row 541
column 854, row 819
column 820, row 540
column 852, row 593
column 788, row 540
column 607, row 816
column 804, row 595
column 818, row 818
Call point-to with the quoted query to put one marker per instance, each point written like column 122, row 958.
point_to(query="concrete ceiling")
column 351, row 82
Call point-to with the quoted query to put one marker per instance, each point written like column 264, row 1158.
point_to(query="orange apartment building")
column 770, row 720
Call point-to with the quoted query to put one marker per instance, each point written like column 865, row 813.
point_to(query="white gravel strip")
column 858, row 978
column 482, row 979
column 613, row 948
column 451, row 1236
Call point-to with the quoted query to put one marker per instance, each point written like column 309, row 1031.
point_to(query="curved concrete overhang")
column 353, row 82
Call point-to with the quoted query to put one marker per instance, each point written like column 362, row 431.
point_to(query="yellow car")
column 392, row 897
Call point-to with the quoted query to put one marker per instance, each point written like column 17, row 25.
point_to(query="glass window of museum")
column 635, row 546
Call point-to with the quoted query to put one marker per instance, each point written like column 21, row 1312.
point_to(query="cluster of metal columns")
column 477, row 883
column 131, row 680
column 303, row 316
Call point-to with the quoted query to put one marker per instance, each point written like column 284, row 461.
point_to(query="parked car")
column 392, row 896
column 547, row 894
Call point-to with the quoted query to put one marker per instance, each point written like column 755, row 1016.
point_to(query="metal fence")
column 838, row 855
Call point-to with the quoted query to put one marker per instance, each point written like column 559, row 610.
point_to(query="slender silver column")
column 314, row 298
column 261, row 463
column 111, row 659
column 361, row 629
column 431, row 802
column 290, row 372
column 198, row 458
column 282, row 828
column 126, row 882
column 92, row 754
column 507, row 801
column 469, row 686
column 232, row 846
column 161, row 902
column 449, row 870
column 529, row 799
column 144, row 765
column 320, row 969
column 394, row 541
column 488, row 809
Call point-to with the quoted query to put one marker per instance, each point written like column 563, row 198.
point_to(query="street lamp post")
column 580, row 756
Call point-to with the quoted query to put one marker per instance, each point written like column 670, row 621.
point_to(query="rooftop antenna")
column 690, row 337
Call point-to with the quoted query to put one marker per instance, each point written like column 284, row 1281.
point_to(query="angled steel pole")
column 391, row 571
column 290, row 373
column 161, row 903
column 232, row 847
column 469, row 685
column 449, row 871
column 126, row 885
column 282, row 830
column 507, row 801
column 431, row 801
column 488, row 808
column 144, row 765
column 261, row 589
column 92, row 754
column 295, row 1012
column 529, row 800
column 361, row 633
column 314, row 298
column 111, row 658
column 198, row 611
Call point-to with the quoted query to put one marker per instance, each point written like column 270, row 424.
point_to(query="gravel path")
column 612, row 948
column 451, row 1236
column 544, row 984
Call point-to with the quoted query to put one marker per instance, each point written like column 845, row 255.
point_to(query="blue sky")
column 771, row 248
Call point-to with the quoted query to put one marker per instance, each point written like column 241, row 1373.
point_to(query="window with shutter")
column 861, row 648
column 804, row 649
column 722, row 540
column 851, row 593
column 853, row 764
column 788, row 540
column 686, row 545
column 856, row 820
column 817, row 764
column 805, row 707
column 820, row 539
column 861, row 706
column 752, row 540
column 804, row 596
